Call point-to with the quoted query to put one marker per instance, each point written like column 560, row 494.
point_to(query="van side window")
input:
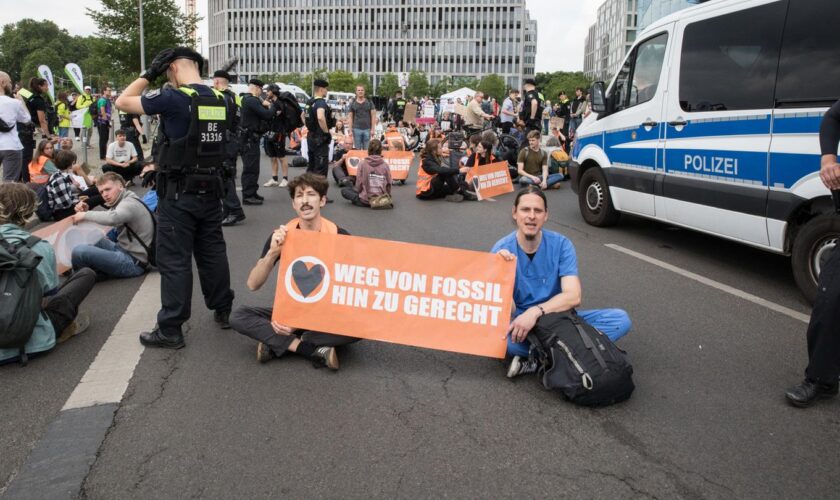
column 638, row 79
column 809, row 66
column 729, row 62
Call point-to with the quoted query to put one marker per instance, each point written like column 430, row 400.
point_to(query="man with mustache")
column 309, row 194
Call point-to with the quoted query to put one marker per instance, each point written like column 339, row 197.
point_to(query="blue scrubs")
column 538, row 280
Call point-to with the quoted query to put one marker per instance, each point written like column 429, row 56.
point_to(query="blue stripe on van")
column 748, row 126
column 787, row 168
column 722, row 165
column 788, row 124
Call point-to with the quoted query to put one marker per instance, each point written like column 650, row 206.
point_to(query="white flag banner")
column 74, row 73
column 47, row 75
column 77, row 118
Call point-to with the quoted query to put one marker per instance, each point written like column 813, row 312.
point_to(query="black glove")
column 145, row 140
column 159, row 65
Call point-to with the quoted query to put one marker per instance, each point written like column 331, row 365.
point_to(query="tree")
column 341, row 81
column 365, row 81
column 388, row 86
column 444, row 86
column 493, row 85
column 118, row 25
column 550, row 84
column 418, row 84
column 29, row 43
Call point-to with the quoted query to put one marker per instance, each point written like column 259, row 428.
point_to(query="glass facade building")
column 461, row 38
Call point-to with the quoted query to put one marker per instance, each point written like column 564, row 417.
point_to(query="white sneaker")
column 271, row 183
column 284, row 183
column 521, row 366
column 77, row 139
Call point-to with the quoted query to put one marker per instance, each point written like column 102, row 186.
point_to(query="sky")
column 562, row 25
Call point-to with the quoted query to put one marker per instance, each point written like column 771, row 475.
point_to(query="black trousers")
column 63, row 307
column 250, row 165
column 104, row 130
column 190, row 226
column 132, row 137
column 824, row 327
column 255, row 322
column 339, row 172
column 28, row 141
column 128, row 173
column 319, row 153
column 230, row 203
column 442, row 185
column 353, row 197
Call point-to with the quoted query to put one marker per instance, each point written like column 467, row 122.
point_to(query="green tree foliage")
column 550, row 84
column 364, row 80
column 118, row 26
column 463, row 81
column 493, row 85
column 388, row 86
column 418, row 84
column 29, row 43
column 341, row 81
column 443, row 86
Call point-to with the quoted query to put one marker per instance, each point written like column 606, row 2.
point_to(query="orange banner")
column 404, row 293
column 399, row 162
column 64, row 237
column 394, row 141
column 490, row 180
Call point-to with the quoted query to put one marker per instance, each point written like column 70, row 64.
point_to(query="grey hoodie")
column 128, row 210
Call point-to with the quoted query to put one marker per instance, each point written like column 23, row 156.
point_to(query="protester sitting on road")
column 339, row 134
column 59, row 315
column 41, row 167
column 341, row 174
column 66, row 144
column 532, row 164
column 434, row 180
column 373, row 178
column 546, row 279
column 482, row 154
column 309, row 195
column 125, row 252
column 122, row 158
column 62, row 189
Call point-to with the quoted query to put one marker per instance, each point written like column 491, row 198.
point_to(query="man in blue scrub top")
column 546, row 279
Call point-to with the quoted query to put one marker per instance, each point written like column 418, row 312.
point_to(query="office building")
column 459, row 38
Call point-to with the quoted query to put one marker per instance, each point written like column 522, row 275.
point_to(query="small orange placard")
column 399, row 162
column 490, row 180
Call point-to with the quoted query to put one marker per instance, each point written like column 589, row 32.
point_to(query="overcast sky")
column 563, row 25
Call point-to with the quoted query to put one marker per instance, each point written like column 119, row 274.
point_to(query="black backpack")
column 580, row 362
column 20, row 294
column 93, row 109
column 289, row 118
column 151, row 250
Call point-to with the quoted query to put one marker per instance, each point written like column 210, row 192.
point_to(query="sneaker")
column 264, row 353
column 79, row 325
column 271, row 183
column 521, row 366
column 326, row 356
column 78, row 139
column 470, row 196
column 283, row 183
column 455, row 198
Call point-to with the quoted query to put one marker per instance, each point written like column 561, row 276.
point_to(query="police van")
column 712, row 124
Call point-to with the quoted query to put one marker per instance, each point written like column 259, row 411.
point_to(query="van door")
column 718, row 117
column 633, row 131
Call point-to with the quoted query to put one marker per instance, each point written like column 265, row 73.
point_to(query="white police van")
column 712, row 124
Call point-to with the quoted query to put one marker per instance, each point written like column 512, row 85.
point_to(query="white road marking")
column 108, row 376
column 714, row 284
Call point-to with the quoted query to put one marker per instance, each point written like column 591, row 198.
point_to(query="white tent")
column 461, row 93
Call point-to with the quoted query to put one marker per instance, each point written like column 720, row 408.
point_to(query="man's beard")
column 530, row 237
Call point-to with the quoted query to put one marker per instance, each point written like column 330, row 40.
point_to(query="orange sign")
column 64, row 237
column 399, row 162
column 490, row 180
column 394, row 141
column 404, row 293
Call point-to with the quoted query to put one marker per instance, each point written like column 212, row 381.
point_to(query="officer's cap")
column 530, row 81
column 321, row 83
column 254, row 81
column 222, row 74
column 188, row 53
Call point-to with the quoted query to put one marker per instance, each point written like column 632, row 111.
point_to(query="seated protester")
column 373, row 178
column 309, row 195
column 434, row 180
column 127, row 254
column 121, row 158
column 546, row 279
column 482, row 155
column 66, row 144
column 340, row 174
column 295, row 138
column 532, row 164
column 41, row 167
column 473, row 141
column 62, row 189
column 60, row 315
column 338, row 133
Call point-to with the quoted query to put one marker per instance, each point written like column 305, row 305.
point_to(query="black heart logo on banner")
column 354, row 162
column 307, row 279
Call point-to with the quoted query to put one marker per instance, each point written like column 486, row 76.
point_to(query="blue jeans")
column 64, row 131
column 574, row 123
column 106, row 257
column 361, row 138
column 551, row 180
column 614, row 323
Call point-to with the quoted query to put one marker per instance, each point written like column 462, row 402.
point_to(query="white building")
column 609, row 38
column 459, row 38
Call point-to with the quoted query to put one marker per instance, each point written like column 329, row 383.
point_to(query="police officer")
column 191, row 162
column 532, row 106
column 319, row 121
column 231, row 207
column 254, row 123
column 37, row 107
column 130, row 124
column 397, row 110
column 824, row 328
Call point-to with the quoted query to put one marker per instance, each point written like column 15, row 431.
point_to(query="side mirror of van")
column 599, row 101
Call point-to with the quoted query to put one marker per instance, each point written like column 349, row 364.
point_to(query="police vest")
column 234, row 109
column 312, row 118
column 203, row 149
column 126, row 121
column 27, row 96
column 399, row 105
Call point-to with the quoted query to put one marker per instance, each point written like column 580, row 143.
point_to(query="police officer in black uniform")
column 231, row 206
column 824, row 328
column 532, row 107
column 38, row 110
column 319, row 121
column 130, row 124
column 191, row 164
column 397, row 110
column 253, row 124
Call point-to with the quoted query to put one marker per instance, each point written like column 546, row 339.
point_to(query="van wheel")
column 813, row 245
column 594, row 199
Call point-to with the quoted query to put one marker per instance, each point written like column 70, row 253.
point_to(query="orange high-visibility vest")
column 424, row 179
column 36, row 170
column 326, row 225
column 471, row 173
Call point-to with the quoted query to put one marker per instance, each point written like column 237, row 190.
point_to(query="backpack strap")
column 132, row 234
column 587, row 340
column 32, row 241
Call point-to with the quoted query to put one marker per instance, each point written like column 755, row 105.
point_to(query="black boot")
column 156, row 338
column 222, row 317
column 808, row 391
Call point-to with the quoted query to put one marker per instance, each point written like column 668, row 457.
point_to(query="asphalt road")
column 707, row 420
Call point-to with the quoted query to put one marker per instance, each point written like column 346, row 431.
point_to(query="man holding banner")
column 546, row 279
column 309, row 194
